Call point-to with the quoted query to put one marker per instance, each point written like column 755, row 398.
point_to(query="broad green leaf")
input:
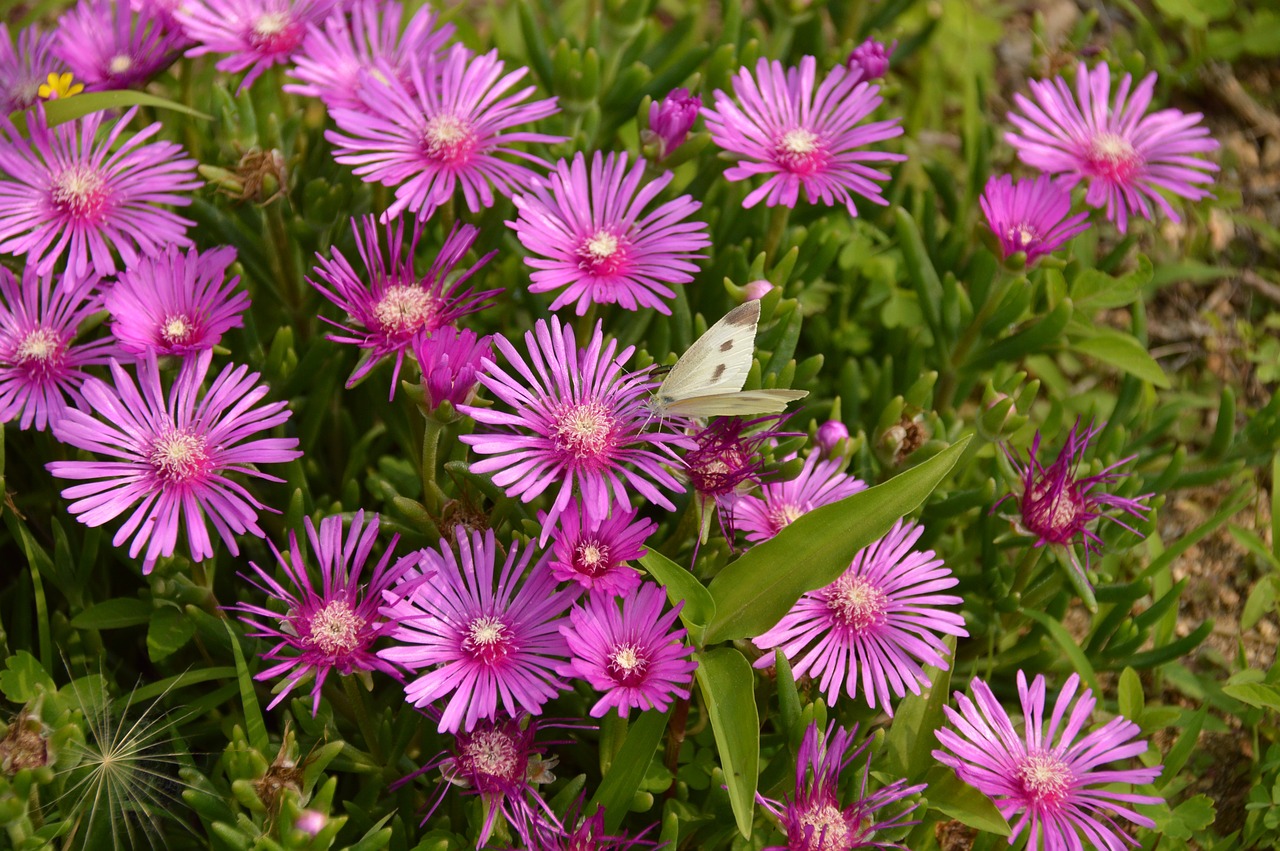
column 170, row 629
column 255, row 726
column 908, row 747
column 619, row 786
column 1255, row 694
column 699, row 608
column 1123, row 352
column 754, row 592
column 1183, row 821
column 789, row 708
column 728, row 690
column 23, row 678
column 1130, row 696
column 114, row 614
column 1067, row 645
column 68, row 109
column 1096, row 290
column 948, row 794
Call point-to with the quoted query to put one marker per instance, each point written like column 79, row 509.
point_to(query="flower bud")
column 757, row 290
column 670, row 121
column 311, row 822
column 830, row 434
column 871, row 58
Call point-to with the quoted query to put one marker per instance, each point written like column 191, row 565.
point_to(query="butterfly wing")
column 741, row 403
column 718, row 361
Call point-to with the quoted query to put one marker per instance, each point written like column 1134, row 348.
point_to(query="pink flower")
column 1127, row 156
column 1055, row 778
column 108, row 46
column 170, row 456
column 594, row 551
column 880, row 621
column 871, row 59
column 451, row 128
column 781, row 127
column 670, row 121
column 488, row 643
column 830, row 435
column 175, row 303
column 819, row 483
column 25, row 66
column 595, row 242
column 576, row 419
column 451, row 361
column 396, row 306
column 256, row 33
column 41, row 366
column 64, row 193
column 333, row 627
column 1030, row 216
column 629, row 652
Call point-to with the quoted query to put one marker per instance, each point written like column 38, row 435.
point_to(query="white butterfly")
column 707, row 379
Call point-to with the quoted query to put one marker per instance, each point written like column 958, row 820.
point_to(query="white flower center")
column 177, row 330
column 1046, row 779
column 627, row 664
column 404, row 309
column 493, row 752
column 583, row 431
column 179, row 456
column 857, row 603
column 79, row 191
column 272, row 23
column 335, row 629
column 448, row 139
column 120, row 63
column 488, row 639
column 799, row 141
column 40, row 347
column 830, row 831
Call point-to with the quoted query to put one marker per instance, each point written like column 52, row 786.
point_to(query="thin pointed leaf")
column 728, row 689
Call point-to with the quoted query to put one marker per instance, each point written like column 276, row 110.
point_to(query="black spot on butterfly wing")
column 720, row 368
column 726, row 345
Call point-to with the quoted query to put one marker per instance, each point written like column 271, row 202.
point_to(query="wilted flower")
column 577, row 419
column 451, row 361
column 595, row 242
column 819, row 483
column 880, row 622
column 255, row 33
column 175, row 303
column 25, row 65
column 632, row 655
column 1056, row 779
column 331, row 628
column 1030, row 216
column 396, row 307
column 1126, row 156
column 594, row 551
column 871, row 58
column 63, row 192
column 171, row 455
column 802, row 138
column 814, row 819
column 670, row 121
column 726, row 458
column 109, row 46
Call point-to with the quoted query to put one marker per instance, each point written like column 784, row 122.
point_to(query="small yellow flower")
column 60, row 86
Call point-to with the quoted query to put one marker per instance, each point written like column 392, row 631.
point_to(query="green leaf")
column 114, row 614
column 1255, row 694
column 699, row 609
column 1182, row 748
column 728, row 689
column 254, row 725
column 1094, row 290
column 789, row 708
column 170, row 629
column 68, row 109
column 1068, row 646
column 754, row 592
column 920, row 270
column 1123, row 352
column 908, row 748
column 1193, row 814
column 24, row 678
column 629, row 766
column 1131, row 699
column 957, row 799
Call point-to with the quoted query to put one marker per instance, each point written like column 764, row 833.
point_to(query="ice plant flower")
column 451, row 361
column 397, row 306
column 1030, row 216
column 594, row 551
column 575, row 832
column 630, row 651
column 781, row 127
column 820, row 482
column 595, row 243
column 176, row 303
column 670, row 121
column 24, row 66
column 41, row 366
column 107, row 45
column 255, row 33
column 1057, row 505
column 815, row 820
column 330, row 627
column 726, row 458
column 335, row 53
column 453, row 128
column 871, row 58
column 576, row 419
column 830, row 434
column 489, row 647
column 1128, row 158
column 1054, row 776
column 65, row 193
column 881, row 622
column 170, row 456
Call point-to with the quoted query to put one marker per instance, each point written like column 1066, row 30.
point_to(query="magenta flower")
column 575, row 832
column 1126, row 156
column 451, row 361
column 726, row 458
column 444, row 132
column 670, row 121
column 175, row 303
column 595, row 242
column 65, row 193
column 800, row 138
column 490, row 647
column 814, row 820
column 170, row 456
column 41, row 367
column 594, row 551
column 820, row 482
column 335, row 54
column 576, row 419
column 881, row 621
column 397, row 306
column 164, row 10
column 256, row 33
column 831, row 434
column 25, row 66
column 870, row 59
column 1054, row 777
column 1030, row 216
column 109, row 46
column 331, row 628
column 631, row 654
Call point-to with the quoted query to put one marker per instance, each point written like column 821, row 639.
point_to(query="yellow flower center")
column 448, row 139
column 857, row 603
column 178, row 456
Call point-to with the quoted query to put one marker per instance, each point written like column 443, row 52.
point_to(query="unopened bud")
column 871, row 58
column 757, row 290
column 670, row 121
column 830, row 434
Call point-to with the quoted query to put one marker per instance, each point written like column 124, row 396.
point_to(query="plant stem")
column 432, row 495
column 675, row 739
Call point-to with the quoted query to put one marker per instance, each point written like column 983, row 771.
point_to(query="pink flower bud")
column 871, row 58
column 757, row 290
column 671, row 119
